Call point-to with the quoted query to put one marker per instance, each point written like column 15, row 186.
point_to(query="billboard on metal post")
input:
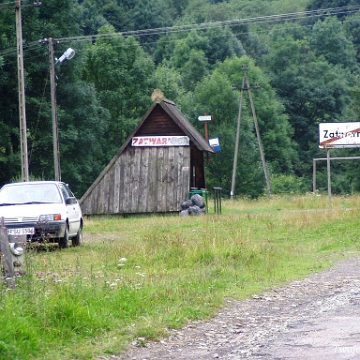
column 339, row 135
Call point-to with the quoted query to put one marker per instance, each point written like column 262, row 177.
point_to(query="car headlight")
column 50, row 217
column 16, row 249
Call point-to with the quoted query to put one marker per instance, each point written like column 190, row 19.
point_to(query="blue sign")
column 215, row 144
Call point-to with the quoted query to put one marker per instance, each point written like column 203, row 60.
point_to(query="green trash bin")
column 204, row 193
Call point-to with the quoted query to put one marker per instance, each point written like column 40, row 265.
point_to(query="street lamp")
column 68, row 54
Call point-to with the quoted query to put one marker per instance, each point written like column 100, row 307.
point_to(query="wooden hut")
column 154, row 169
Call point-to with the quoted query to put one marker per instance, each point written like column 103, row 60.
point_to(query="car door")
column 73, row 209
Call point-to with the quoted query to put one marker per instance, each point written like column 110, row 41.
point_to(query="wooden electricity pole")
column 54, row 112
column 246, row 82
column 267, row 177
column 237, row 141
column 21, row 89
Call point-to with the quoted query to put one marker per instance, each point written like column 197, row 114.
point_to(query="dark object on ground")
column 186, row 204
column 198, row 200
column 196, row 210
column 194, row 206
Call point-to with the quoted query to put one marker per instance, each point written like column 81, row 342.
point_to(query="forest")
column 301, row 58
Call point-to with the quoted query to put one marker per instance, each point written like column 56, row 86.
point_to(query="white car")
column 41, row 211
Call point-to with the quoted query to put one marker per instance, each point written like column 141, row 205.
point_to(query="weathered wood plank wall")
column 142, row 180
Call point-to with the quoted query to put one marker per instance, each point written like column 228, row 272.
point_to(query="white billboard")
column 339, row 135
column 160, row 141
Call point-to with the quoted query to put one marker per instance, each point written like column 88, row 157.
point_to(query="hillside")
column 304, row 56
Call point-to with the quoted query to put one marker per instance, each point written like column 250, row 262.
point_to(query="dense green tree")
column 169, row 81
column 223, row 44
column 9, row 121
column 151, row 14
column 214, row 96
column 194, row 69
column 329, row 39
column 312, row 64
column 92, row 18
column 351, row 25
column 216, row 44
column 198, row 11
column 352, row 168
column 273, row 122
column 313, row 91
column 326, row 4
column 80, row 117
column 177, row 7
column 83, row 124
column 122, row 75
column 60, row 18
column 130, row 15
column 287, row 6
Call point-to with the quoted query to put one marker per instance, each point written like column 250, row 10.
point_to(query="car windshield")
column 29, row 194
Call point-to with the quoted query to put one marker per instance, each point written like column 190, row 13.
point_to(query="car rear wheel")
column 77, row 240
column 64, row 241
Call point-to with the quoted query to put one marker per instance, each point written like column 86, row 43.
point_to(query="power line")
column 7, row 5
column 10, row 5
column 205, row 26
column 216, row 24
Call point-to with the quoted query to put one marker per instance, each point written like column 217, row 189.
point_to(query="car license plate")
column 21, row 231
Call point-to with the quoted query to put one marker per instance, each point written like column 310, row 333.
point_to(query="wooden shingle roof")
column 179, row 119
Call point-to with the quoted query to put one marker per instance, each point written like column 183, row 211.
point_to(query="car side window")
column 69, row 191
column 64, row 192
column 67, row 194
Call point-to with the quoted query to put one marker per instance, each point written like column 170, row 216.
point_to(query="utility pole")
column 267, row 178
column 246, row 82
column 21, row 89
column 54, row 112
column 55, row 131
column 68, row 54
column 237, row 141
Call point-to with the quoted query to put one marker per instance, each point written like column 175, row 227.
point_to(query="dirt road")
column 316, row 318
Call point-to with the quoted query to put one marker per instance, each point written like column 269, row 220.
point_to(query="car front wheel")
column 77, row 240
column 64, row 241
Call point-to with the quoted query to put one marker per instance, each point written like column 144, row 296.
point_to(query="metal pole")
column 267, row 178
column 7, row 260
column 54, row 113
column 237, row 141
column 314, row 176
column 21, row 89
column 206, row 131
column 315, row 160
column 328, row 174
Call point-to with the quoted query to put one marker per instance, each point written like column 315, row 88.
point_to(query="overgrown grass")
column 135, row 277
